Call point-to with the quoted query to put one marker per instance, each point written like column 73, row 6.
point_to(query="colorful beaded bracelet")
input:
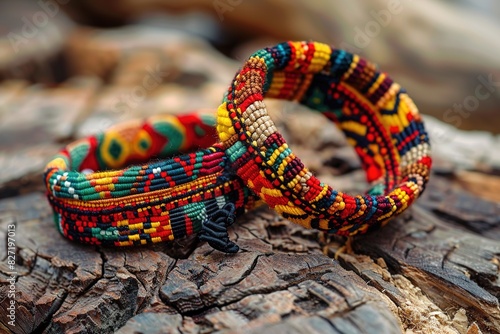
column 142, row 204
column 376, row 115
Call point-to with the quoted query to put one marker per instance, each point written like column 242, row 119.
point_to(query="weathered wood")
column 37, row 120
column 434, row 270
column 451, row 202
column 454, row 270
column 71, row 287
column 63, row 286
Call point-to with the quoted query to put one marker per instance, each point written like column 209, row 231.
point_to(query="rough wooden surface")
column 434, row 270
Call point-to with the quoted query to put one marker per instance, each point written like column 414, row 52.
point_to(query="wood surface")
column 433, row 270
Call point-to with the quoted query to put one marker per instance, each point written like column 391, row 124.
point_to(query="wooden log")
column 420, row 273
column 434, row 270
column 72, row 288
column 34, row 122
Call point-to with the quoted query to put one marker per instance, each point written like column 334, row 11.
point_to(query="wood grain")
column 434, row 270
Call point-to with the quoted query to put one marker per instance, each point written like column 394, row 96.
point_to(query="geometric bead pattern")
column 96, row 202
column 376, row 115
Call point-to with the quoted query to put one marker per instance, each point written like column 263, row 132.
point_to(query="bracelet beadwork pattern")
column 141, row 204
column 377, row 116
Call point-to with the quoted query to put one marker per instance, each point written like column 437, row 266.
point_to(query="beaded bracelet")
column 142, row 204
column 377, row 116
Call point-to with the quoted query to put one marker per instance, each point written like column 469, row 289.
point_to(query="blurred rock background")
column 439, row 50
column 71, row 67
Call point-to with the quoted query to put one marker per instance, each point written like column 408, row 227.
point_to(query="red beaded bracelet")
column 377, row 116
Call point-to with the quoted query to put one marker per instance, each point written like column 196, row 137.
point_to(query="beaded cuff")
column 377, row 116
column 142, row 204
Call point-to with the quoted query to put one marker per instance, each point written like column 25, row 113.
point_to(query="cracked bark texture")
column 433, row 270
